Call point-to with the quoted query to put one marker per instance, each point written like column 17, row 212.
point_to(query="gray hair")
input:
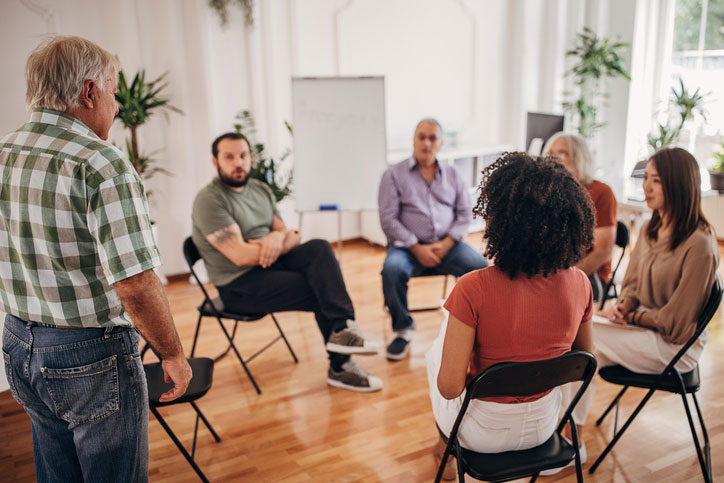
column 57, row 68
column 429, row 120
column 582, row 157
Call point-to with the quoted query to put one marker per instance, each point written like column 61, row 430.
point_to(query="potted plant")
column 686, row 105
column 716, row 173
column 265, row 169
column 137, row 101
column 597, row 60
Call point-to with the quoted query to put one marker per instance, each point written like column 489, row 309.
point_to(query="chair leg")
column 705, row 469
column 610, row 406
column 196, row 334
column 620, row 433
column 443, row 460
column 206, row 422
column 576, row 448
column 179, row 445
column 281, row 333
column 238, row 355
column 705, row 433
column 233, row 336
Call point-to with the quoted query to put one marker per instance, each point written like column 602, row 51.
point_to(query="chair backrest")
column 192, row 255
column 705, row 316
column 622, row 234
column 529, row 379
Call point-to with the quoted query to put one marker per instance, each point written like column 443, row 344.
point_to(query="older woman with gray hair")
column 571, row 151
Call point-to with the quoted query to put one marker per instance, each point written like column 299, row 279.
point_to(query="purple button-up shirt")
column 412, row 212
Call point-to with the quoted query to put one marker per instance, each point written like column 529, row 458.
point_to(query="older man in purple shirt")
column 425, row 211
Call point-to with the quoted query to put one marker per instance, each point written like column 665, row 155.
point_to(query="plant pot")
column 717, row 180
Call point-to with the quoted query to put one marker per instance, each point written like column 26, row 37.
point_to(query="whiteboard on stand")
column 340, row 144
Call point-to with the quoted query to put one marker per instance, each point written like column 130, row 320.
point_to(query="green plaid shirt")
column 73, row 221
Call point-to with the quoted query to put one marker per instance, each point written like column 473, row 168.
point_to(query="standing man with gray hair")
column 76, row 274
column 425, row 212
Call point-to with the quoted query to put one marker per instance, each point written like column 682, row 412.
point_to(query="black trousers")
column 307, row 278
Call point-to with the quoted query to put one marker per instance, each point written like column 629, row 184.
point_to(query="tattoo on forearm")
column 225, row 234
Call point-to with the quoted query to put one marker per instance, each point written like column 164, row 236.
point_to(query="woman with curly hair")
column 533, row 304
column 668, row 279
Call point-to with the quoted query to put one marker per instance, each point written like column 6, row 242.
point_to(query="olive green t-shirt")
column 217, row 207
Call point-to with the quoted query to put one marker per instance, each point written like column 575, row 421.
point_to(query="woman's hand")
column 621, row 313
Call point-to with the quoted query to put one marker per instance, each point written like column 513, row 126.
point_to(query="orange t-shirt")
column 520, row 320
column 605, row 203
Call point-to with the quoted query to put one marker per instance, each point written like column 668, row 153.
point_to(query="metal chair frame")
column 669, row 380
column 209, row 309
column 153, row 407
column 622, row 239
column 525, row 379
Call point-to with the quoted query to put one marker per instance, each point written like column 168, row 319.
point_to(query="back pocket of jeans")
column 85, row 393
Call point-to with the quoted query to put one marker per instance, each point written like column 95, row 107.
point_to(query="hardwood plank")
column 300, row 430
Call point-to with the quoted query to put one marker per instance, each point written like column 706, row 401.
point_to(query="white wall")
column 476, row 65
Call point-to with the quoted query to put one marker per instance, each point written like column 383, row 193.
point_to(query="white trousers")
column 490, row 427
column 638, row 350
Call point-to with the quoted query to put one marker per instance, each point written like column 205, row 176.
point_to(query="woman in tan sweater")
column 668, row 280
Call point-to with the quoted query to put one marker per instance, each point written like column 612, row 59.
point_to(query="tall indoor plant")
column 137, row 101
column 264, row 168
column 596, row 60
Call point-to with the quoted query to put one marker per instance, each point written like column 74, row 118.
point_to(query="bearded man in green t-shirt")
column 259, row 265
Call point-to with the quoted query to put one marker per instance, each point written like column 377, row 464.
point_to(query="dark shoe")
column 398, row 349
column 450, row 471
column 354, row 378
column 351, row 341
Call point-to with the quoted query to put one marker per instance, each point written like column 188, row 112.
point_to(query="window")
column 698, row 60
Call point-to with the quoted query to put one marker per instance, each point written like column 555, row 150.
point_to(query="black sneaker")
column 354, row 378
column 398, row 349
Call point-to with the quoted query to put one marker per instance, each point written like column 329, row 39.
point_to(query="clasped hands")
column 430, row 255
column 275, row 244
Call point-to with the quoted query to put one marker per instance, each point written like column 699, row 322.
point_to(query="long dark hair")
column 681, row 183
column 539, row 219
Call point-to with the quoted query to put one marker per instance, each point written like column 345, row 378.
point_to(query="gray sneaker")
column 354, row 378
column 351, row 341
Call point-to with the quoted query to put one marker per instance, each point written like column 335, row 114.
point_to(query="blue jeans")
column 85, row 392
column 401, row 264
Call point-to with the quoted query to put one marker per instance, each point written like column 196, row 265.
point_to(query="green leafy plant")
column 686, row 106
column 137, row 101
column 597, row 60
column 221, row 7
column 718, row 166
column 265, row 169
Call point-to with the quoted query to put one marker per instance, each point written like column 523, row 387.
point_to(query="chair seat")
column 208, row 311
column 203, row 370
column 554, row 453
column 623, row 377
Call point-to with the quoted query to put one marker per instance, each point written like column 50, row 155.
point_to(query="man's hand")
column 426, row 255
column 178, row 371
column 291, row 240
column 271, row 248
column 442, row 248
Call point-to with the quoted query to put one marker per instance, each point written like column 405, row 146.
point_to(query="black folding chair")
column 669, row 380
column 622, row 239
column 523, row 379
column 203, row 375
column 215, row 308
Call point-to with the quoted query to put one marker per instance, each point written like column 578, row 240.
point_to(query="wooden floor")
column 299, row 429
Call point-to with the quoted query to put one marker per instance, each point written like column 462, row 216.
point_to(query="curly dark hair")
column 539, row 219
